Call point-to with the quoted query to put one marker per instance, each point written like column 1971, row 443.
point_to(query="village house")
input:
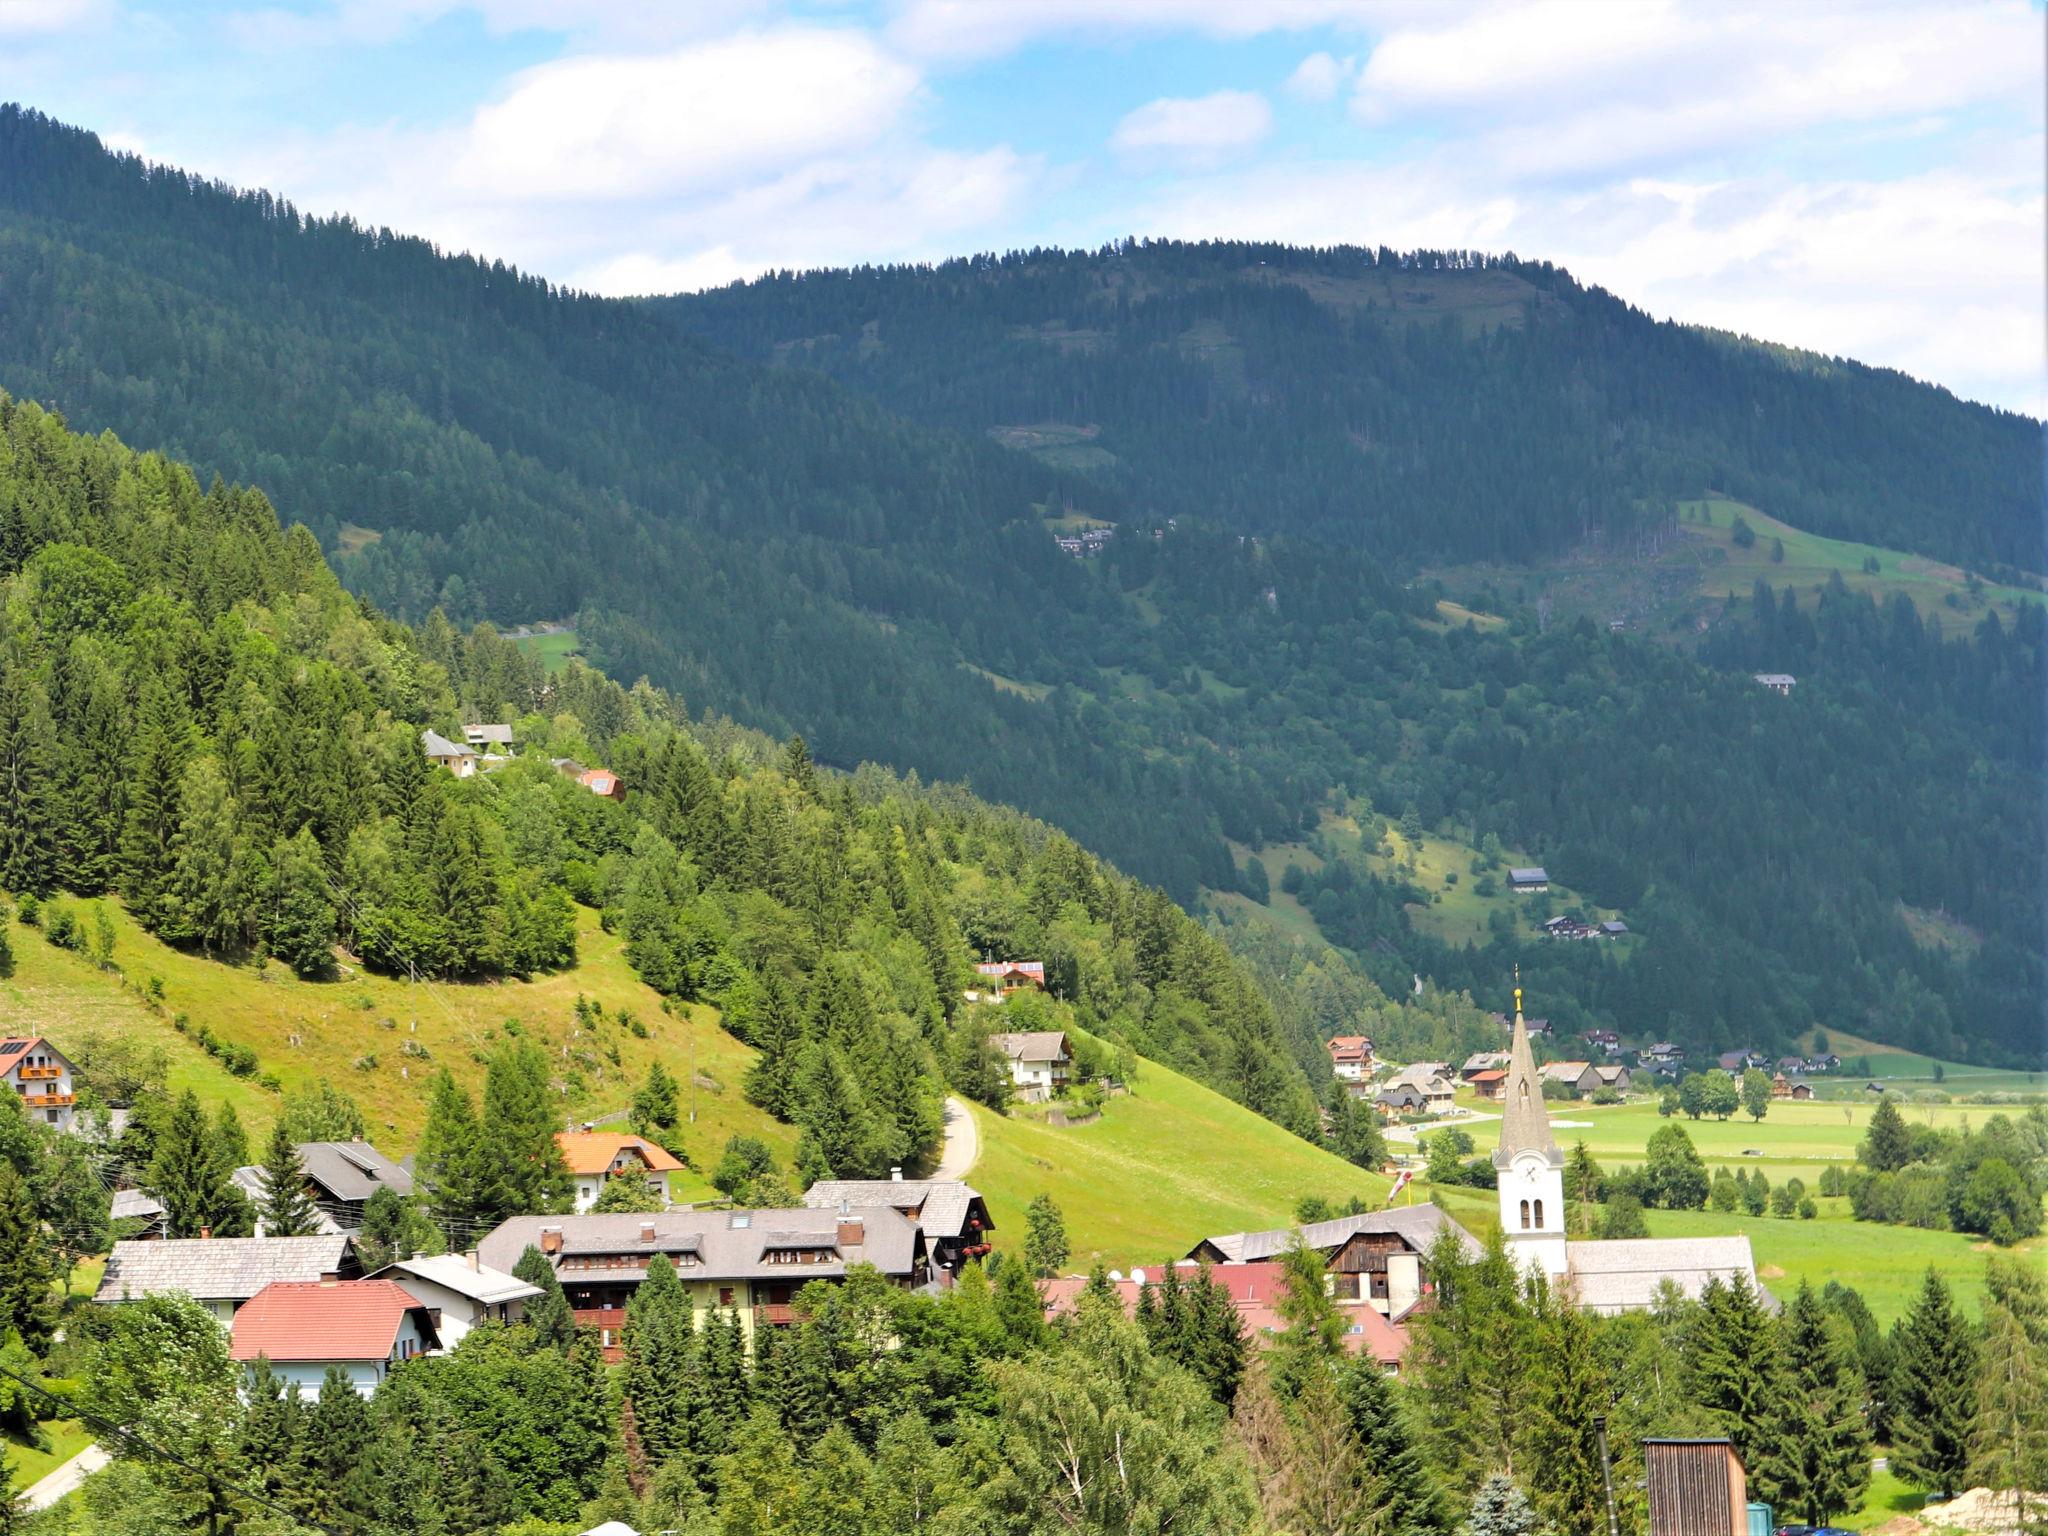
column 595, row 1158
column 1420, row 1089
column 1614, row 928
column 1605, row 1041
column 1567, row 928
column 1735, row 1063
column 1780, row 683
column 1487, row 1084
column 1255, row 1290
column 1007, row 976
column 1038, row 1062
column 222, row 1273
column 1482, row 1061
column 953, row 1215
column 489, row 740
column 1351, row 1058
column 366, row 1328
column 443, row 753
column 1372, row 1260
column 459, row 1293
column 1578, row 1077
column 1783, row 1087
column 601, row 782
column 752, row 1262
column 1530, row 878
column 41, row 1078
column 342, row 1175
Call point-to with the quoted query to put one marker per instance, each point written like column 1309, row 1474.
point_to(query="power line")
column 132, row 1437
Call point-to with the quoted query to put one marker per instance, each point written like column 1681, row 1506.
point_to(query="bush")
column 1807, row 1209
column 60, row 926
column 1834, row 1181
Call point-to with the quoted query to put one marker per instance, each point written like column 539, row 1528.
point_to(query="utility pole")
column 1606, row 1474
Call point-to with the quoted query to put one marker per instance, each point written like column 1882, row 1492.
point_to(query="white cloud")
column 603, row 127
column 1318, row 77
column 1198, row 127
column 47, row 16
column 642, row 273
column 977, row 29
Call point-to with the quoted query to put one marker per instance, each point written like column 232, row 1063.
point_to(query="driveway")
column 963, row 1141
column 41, row 1495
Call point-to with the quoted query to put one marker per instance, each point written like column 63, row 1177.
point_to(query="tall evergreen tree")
column 1887, row 1145
column 284, row 1209
column 1569, row 1486
column 1730, row 1359
column 1816, row 1459
column 157, row 755
column 549, row 1314
column 1410, row 1502
column 1045, row 1237
column 1933, row 1390
column 190, row 1177
column 27, row 1263
column 2009, row 1441
column 520, row 1118
column 452, row 1169
column 28, row 819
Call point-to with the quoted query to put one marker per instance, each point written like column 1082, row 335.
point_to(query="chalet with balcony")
column 1605, row 1041
column 595, row 1158
column 752, row 1262
column 1039, row 1062
column 955, row 1220
column 1371, row 1260
column 41, row 1078
column 1002, row 977
column 1351, row 1059
column 1481, row 1061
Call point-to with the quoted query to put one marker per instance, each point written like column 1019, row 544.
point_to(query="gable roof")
column 1034, row 1045
column 1490, row 1075
column 1530, row 874
column 497, row 735
column 590, row 1152
column 1035, row 969
column 1417, row 1225
column 220, row 1268
column 940, row 1206
column 21, row 1045
column 1625, row 1273
column 344, row 1320
column 1563, row 1071
column 437, row 745
column 353, row 1170
column 724, row 1245
column 450, row 1271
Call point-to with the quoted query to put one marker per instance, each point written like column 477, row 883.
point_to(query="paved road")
column 65, row 1479
column 963, row 1142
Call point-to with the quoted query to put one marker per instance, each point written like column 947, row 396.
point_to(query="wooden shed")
column 1696, row 1488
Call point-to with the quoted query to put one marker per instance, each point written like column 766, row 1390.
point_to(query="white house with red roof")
column 40, row 1076
column 1351, row 1058
column 366, row 1327
column 595, row 1158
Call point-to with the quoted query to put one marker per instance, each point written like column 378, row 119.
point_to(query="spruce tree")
column 1409, row 1502
column 1499, row 1508
column 773, row 1080
column 1045, row 1237
column 1933, row 1391
column 158, row 751
column 1572, row 1392
column 660, row 1347
column 299, row 927
column 451, row 1170
column 284, row 1209
column 189, row 1175
column 28, row 1265
column 1815, row 1461
column 549, row 1315
column 520, row 1118
column 1887, row 1145
column 28, row 818
column 2009, row 1441
column 202, row 903
column 1730, row 1356
column 1018, row 1303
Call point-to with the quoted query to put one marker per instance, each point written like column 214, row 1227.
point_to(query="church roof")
column 1525, row 1123
column 1625, row 1274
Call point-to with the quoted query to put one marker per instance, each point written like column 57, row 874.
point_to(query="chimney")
column 550, row 1239
column 853, row 1232
column 205, row 1233
column 895, row 1175
column 646, row 1231
column 471, row 1258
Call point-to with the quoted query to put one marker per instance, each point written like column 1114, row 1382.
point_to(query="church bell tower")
column 1528, row 1167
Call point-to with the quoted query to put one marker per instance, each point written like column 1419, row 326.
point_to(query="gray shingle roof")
column 1623, row 1274
column 249, row 1180
column 1033, row 1045
column 1532, row 874
column 451, row 1271
column 496, row 735
column 1418, row 1225
column 353, row 1170
column 220, row 1268
column 718, row 1249
column 941, row 1206
column 436, row 745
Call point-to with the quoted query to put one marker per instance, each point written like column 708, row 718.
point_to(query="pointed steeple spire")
column 1525, row 1123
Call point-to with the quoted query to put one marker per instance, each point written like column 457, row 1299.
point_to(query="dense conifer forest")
column 876, row 574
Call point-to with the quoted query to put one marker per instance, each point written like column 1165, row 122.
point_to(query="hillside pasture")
column 555, row 647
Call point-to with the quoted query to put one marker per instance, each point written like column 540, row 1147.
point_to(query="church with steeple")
column 1618, row 1275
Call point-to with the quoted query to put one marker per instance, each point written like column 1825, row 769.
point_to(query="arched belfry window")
column 1539, row 1214
column 1525, row 1215
column 1523, row 1088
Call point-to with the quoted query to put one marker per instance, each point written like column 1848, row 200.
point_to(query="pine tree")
column 1816, row 1459
column 1933, row 1391
column 518, row 1130
column 451, row 1170
column 272, row 1446
column 549, row 1315
column 1887, row 1145
column 202, row 902
column 284, row 1209
column 300, row 925
column 773, row 1080
column 1410, row 1501
column 2009, row 1441
column 28, row 819
column 1018, row 1303
column 158, row 751
column 1570, row 1489
column 28, row 1267
column 654, row 1106
column 660, row 1347
column 1500, row 1509
column 1045, row 1237
column 1730, row 1356
column 190, row 1176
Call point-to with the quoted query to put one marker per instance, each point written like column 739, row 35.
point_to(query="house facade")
column 1372, row 1261
column 458, row 759
column 1006, row 976
column 595, row 1158
column 1531, row 877
column 367, row 1328
column 752, row 1262
column 953, row 1215
column 1351, row 1059
column 41, row 1078
column 1038, row 1061
column 1420, row 1089
column 459, row 1293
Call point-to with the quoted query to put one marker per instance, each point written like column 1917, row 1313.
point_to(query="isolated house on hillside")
column 443, row 753
column 1532, row 877
column 1038, row 1061
column 367, row 1328
column 41, row 1078
column 1008, row 976
column 1780, row 683
column 595, row 1158
column 489, row 740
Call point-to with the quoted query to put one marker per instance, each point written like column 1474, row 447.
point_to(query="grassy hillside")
column 342, row 1023
column 1164, row 1167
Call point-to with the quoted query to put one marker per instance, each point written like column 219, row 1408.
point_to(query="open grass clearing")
column 341, row 1023
column 555, row 648
column 1165, row 1166
column 354, row 538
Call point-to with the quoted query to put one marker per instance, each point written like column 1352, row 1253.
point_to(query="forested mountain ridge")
column 195, row 715
column 773, row 546
column 1439, row 405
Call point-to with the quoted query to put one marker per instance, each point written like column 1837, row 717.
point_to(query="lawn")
column 1164, row 1167
column 554, row 648
column 381, row 1039
column 1941, row 592
column 28, row 1465
column 1907, row 1069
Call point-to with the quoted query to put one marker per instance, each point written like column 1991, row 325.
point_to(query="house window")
column 725, row 1295
column 1539, row 1214
column 1525, row 1215
column 605, row 1337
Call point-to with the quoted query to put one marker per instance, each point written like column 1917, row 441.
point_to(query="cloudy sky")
column 1863, row 178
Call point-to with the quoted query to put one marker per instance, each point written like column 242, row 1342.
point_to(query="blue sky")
column 1864, row 178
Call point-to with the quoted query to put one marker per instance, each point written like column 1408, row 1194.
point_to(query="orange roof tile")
column 588, row 1152
column 321, row 1320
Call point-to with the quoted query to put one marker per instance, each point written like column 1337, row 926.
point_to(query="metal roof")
column 451, row 1272
column 1417, row 1225
column 1624, row 1274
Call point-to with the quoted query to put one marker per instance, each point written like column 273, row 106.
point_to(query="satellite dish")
column 1115, row 1274
column 1138, row 1275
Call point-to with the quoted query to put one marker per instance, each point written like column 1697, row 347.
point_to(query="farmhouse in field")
column 41, row 1079
column 1038, row 1060
column 1351, row 1058
column 595, row 1158
column 1531, row 878
column 366, row 1328
column 1568, row 928
column 1620, row 1275
column 749, row 1262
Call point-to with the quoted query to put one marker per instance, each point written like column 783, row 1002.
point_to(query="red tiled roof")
column 1490, row 1075
column 319, row 1320
column 1255, row 1290
column 590, row 1152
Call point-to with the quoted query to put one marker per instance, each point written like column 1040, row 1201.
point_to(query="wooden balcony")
column 48, row 1100
column 39, row 1074
column 774, row 1315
